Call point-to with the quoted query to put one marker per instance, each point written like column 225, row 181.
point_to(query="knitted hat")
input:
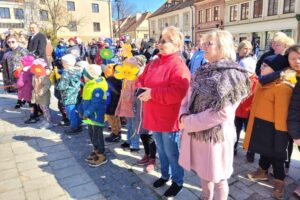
column 92, row 71
column 82, row 64
column 69, row 60
column 277, row 62
column 72, row 40
column 27, row 60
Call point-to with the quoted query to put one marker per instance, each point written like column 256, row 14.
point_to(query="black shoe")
column 73, row 131
column 173, row 190
column 32, row 120
column 134, row 150
column 17, row 106
column 113, row 138
column 160, row 182
column 250, row 157
column 125, row 145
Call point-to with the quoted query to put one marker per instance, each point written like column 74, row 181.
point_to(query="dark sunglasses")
column 11, row 42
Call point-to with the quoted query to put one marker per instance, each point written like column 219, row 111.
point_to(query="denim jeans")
column 167, row 144
column 132, row 141
column 73, row 116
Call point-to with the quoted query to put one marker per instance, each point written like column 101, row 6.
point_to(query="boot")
column 278, row 192
column 258, row 175
column 98, row 160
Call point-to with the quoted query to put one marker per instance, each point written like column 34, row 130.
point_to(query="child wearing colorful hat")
column 92, row 110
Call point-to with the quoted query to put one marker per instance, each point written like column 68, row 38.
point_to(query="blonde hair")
column 174, row 35
column 224, row 42
column 285, row 40
column 243, row 44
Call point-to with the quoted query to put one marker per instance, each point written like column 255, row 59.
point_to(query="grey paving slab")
column 13, row 195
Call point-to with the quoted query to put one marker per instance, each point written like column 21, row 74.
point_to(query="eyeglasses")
column 208, row 44
column 11, row 42
column 163, row 41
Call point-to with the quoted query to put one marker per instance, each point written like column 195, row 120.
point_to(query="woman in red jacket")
column 166, row 81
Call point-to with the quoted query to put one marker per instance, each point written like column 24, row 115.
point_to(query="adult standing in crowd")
column 12, row 61
column 198, row 57
column 207, row 115
column 166, row 81
column 248, row 62
column 37, row 42
column 293, row 121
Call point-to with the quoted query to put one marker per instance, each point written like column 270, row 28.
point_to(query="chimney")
column 138, row 16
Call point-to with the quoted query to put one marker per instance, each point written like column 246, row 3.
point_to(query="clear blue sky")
column 149, row 5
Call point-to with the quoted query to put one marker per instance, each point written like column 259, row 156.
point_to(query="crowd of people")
column 189, row 105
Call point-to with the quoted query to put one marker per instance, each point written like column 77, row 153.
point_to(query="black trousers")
column 149, row 145
column 96, row 136
column 239, row 124
column 290, row 151
column 277, row 164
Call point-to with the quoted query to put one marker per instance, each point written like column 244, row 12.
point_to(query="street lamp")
column 118, row 4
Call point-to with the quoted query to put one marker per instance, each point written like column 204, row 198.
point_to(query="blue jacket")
column 197, row 60
column 93, row 106
column 60, row 51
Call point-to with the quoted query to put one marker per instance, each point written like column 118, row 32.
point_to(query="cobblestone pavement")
column 46, row 164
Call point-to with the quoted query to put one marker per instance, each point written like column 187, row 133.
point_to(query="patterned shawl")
column 215, row 86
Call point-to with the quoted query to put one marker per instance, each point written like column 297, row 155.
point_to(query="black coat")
column 293, row 121
column 37, row 45
column 114, row 87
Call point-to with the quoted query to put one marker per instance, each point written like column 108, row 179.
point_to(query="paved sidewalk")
column 46, row 164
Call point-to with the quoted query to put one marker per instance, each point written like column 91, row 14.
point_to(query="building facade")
column 177, row 13
column 134, row 28
column 259, row 20
column 209, row 16
column 86, row 19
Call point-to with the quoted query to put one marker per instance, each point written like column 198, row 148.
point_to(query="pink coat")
column 125, row 105
column 212, row 162
column 24, row 85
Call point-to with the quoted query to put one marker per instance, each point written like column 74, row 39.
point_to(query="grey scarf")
column 215, row 86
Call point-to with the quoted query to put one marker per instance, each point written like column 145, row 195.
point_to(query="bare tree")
column 126, row 8
column 58, row 15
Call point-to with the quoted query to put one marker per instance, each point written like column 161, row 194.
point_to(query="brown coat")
column 268, row 114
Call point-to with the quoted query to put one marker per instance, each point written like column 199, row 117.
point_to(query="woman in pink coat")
column 207, row 115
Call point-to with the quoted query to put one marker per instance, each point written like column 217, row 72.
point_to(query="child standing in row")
column 92, row 109
column 69, row 87
column 41, row 93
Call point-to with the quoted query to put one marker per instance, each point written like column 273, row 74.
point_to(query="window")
column 43, row 15
column 72, row 26
column 216, row 13
column 95, row 7
column 244, row 11
column 96, row 27
column 233, row 13
column 4, row 13
column 42, row 1
column 11, row 25
column 289, row 6
column 19, row 13
column 258, row 7
column 273, row 7
column 186, row 18
column 71, row 5
column 208, row 15
column 200, row 17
